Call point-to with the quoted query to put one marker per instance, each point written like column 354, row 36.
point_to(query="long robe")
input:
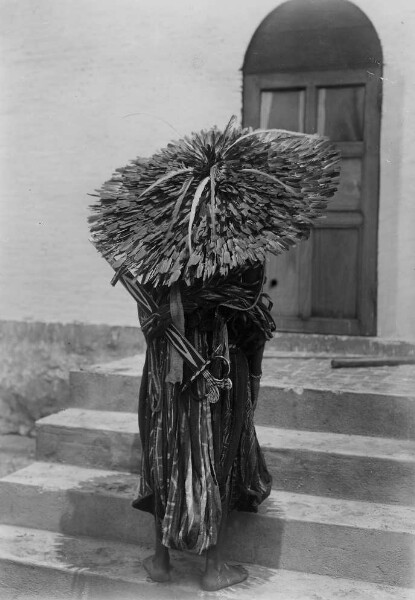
column 200, row 458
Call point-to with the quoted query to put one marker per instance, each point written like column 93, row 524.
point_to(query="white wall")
column 88, row 84
column 395, row 24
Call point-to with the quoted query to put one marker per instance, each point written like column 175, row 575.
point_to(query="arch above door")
column 315, row 66
column 313, row 35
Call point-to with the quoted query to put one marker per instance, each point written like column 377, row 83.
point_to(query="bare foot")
column 159, row 570
column 225, row 576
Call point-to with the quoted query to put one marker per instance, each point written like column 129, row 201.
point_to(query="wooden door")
column 327, row 284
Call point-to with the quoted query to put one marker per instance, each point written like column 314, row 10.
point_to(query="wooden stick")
column 371, row 361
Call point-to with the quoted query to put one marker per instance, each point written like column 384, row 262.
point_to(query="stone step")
column 325, row 464
column 340, row 344
column 296, row 393
column 337, row 538
column 43, row 564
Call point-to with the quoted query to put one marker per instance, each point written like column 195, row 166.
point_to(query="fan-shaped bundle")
column 213, row 202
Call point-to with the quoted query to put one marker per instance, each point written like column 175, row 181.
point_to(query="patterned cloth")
column 199, row 458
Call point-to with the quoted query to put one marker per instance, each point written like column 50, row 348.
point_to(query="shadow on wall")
column 35, row 361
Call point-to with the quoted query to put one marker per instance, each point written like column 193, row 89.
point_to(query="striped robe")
column 198, row 458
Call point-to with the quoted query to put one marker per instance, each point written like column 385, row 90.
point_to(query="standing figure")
column 187, row 232
column 201, row 459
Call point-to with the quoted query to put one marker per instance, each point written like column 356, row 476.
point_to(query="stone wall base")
column 35, row 360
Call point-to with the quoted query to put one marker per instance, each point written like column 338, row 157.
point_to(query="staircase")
column 340, row 521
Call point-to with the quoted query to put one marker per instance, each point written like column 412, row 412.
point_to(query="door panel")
column 340, row 113
column 334, row 289
column 349, row 193
column 283, row 282
column 326, row 284
column 283, row 109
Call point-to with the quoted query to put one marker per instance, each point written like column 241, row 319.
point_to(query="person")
column 191, row 226
column 201, row 459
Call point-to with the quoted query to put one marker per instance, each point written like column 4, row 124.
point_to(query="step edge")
column 401, row 450
column 269, row 383
column 252, row 567
column 313, row 506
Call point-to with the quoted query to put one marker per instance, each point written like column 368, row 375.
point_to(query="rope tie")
column 157, row 322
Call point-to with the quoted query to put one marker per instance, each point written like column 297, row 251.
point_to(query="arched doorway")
column 315, row 66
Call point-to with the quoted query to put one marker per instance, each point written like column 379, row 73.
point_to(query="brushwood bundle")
column 213, row 203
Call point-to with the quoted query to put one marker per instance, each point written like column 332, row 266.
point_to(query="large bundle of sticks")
column 213, row 202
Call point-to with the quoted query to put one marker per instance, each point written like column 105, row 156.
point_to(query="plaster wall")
column 89, row 84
